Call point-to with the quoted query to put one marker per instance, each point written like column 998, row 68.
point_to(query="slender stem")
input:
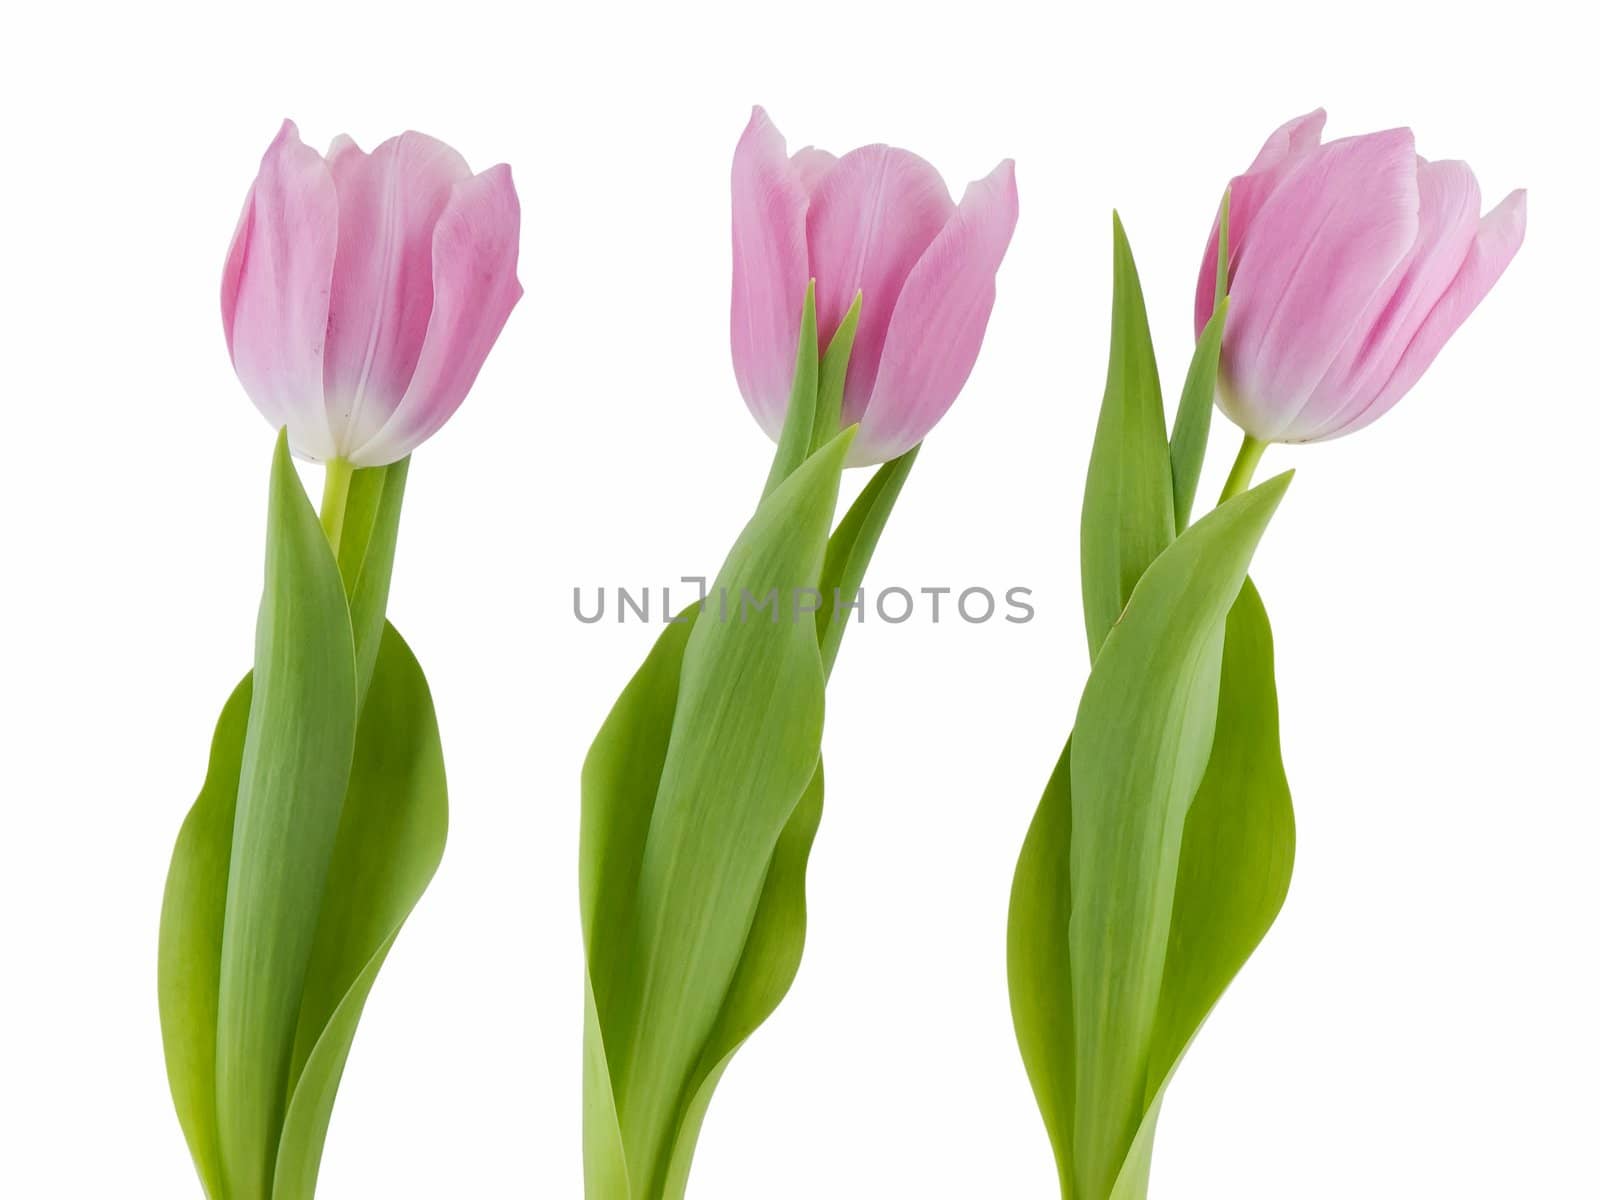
column 335, row 495
column 1244, row 467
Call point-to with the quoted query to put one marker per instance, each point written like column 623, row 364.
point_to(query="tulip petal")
column 389, row 203
column 1499, row 237
column 769, row 269
column 938, row 324
column 810, row 165
column 1283, row 151
column 275, row 287
column 474, row 272
column 1449, row 201
column 1323, row 244
column 871, row 218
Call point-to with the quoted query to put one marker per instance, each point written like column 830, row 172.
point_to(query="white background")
column 1419, row 1022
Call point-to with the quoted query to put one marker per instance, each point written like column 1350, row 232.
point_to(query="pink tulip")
column 1350, row 265
column 362, row 292
column 879, row 221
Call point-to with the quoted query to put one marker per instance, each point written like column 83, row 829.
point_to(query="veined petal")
column 769, row 270
column 939, row 321
column 1447, row 223
column 1322, row 245
column 389, row 203
column 1283, row 151
column 1499, row 237
column 275, row 287
column 872, row 216
column 474, row 271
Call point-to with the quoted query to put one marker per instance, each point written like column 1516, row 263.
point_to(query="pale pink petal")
column 1320, row 248
column 474, row 271
column 275, row 287
column 1447, row 223
column 389, row 203
column 1498, row 239
column 769, row 270
column 939, row 322
column 871, row 218
column 1288, row 144
column 810, row 165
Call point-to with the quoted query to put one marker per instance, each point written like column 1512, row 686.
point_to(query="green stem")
column 335, row 495
column 1244, row 467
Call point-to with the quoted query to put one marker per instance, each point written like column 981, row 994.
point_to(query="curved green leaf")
column 621, row 776
column 852, row 544
column 298, row 744
column 745, row 742
column 190, row 957
column 1233, row 874
column 367, row 544
column 1233, row 871
column 1127, row 499
column 1238, row 841
column 622, row 779
column 799, row 419
column 1140, row 746
column 1191, row 428
column 391, row 839
column 776, row 942
column 767, row 967
column 830, row 380
column 1039, row 961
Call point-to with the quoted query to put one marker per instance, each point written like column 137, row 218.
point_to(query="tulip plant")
column 1161, row 850
column 861, row 293
column 359, row 299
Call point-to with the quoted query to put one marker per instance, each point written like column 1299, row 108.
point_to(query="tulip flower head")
column 877, row 221
column 1350, row 264
column 362, row 292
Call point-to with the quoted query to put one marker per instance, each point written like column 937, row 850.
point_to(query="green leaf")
column 851, row 546
column 1141, row 743
column 366, row 556
column 623, row 779
column 391, row 838
column 800, row 418
column 621, row 776
column 1127, row 500
column 1238, row 842
column 1192, row 427
column 311, row 839
column 1233, row 873
column 1038, row 962
column 298, row 744
column 767, row 967
column 715, row 738
column 190, row 958
column 1133, row 1180
column 776, row 942
column 745, row 741
column 830, row 385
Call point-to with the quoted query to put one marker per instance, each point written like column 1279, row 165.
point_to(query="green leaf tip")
column 831, row 379
column 1128, row 514
column 800, row 419
column 1269, row 491
column 1221, row 293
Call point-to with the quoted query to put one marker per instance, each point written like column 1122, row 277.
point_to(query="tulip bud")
column 362, row 292
column 878, row 222
column 1350, row 265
